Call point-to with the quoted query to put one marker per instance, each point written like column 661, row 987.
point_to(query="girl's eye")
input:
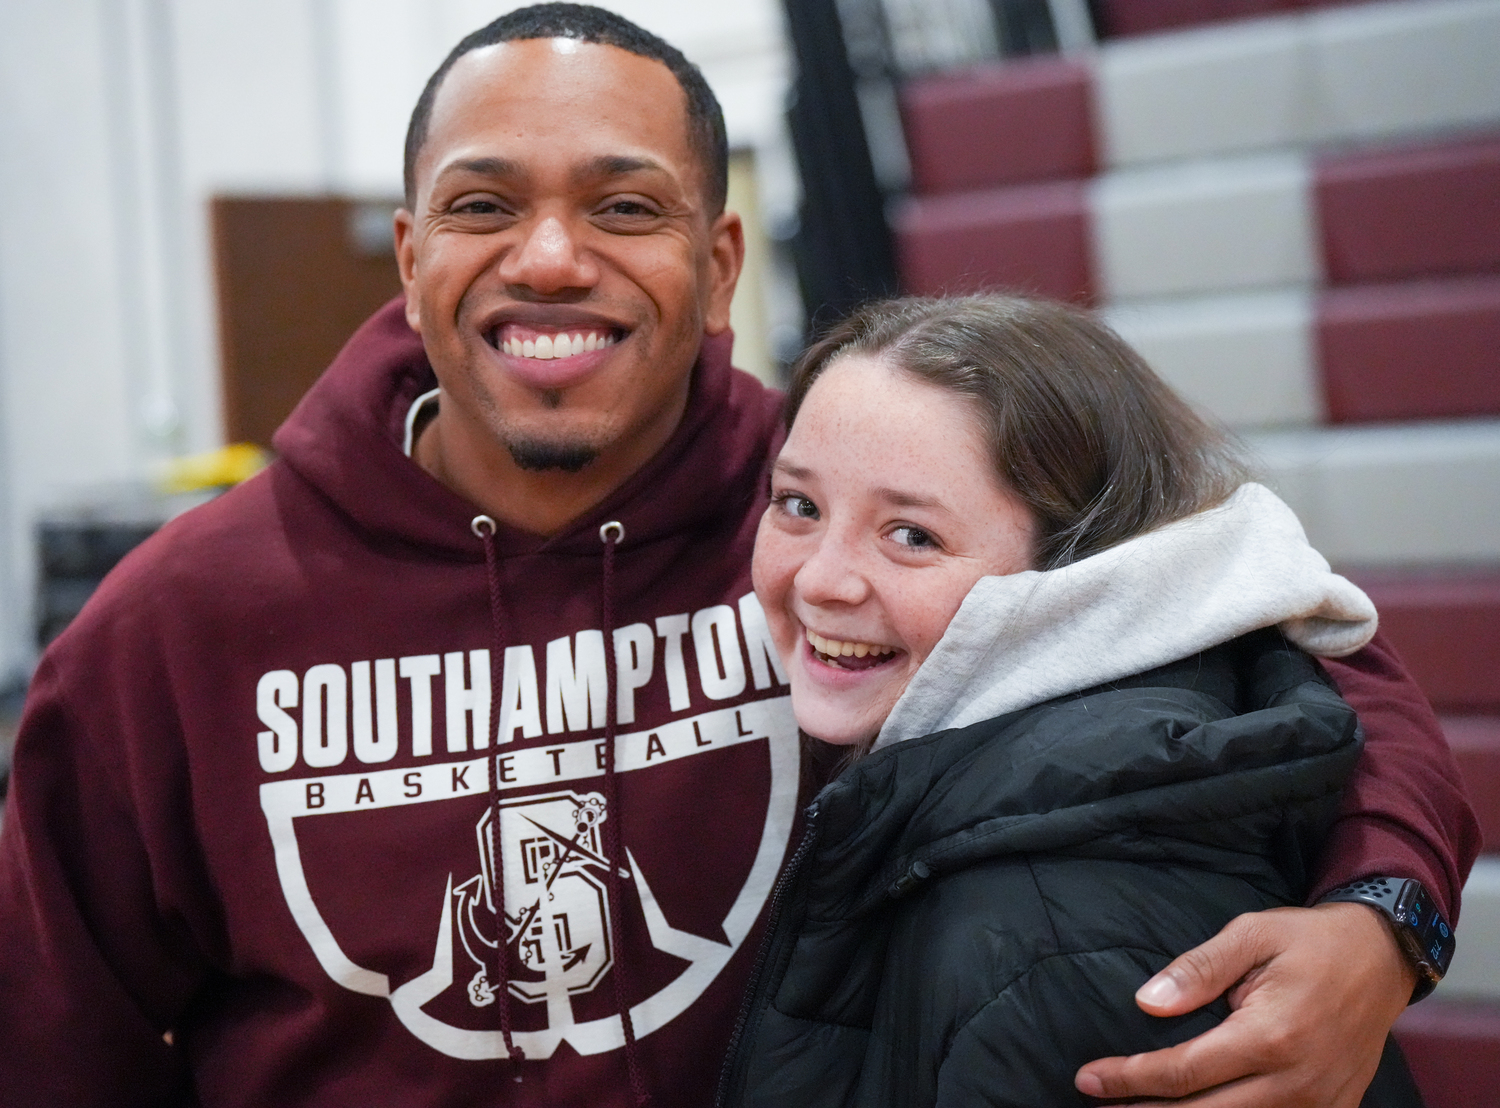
column 914, row 537
column 794, row 504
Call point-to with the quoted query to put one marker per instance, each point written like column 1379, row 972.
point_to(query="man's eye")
column 629, row 208
column 478, row 207
column 914, row 537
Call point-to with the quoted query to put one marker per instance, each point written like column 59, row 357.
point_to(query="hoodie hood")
column 1028, row 637
column 362, row 400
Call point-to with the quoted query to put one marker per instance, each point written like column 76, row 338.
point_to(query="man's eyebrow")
column 483, row 167
column 615, row 165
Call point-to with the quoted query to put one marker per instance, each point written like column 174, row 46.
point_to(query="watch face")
column 1433, row 936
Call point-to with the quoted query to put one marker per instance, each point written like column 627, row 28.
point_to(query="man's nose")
column 549, row 261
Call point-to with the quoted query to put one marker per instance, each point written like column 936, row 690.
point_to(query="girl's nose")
column 831, row 576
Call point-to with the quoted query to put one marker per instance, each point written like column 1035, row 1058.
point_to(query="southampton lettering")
column 367, row 709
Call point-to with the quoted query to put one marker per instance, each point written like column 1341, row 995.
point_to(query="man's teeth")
column 546, row 347
column 834, row 648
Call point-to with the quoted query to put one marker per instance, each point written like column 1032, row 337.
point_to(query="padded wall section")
column 1331, row 75
column 1391, row 496
column 1411, row 211
column 997, row 125
column 1204, row 226
column 1475, row 973
column 1476, row 747
column 1384, row 69
column 1247, row 360
column 1030, row 238
column 1446, row 626
column 1411, row 351
column 1212, row 91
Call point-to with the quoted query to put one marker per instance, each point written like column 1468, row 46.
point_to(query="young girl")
column 1065, row 642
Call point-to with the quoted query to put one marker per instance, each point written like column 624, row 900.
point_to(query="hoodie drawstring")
column 484, row 528
column 611, row 535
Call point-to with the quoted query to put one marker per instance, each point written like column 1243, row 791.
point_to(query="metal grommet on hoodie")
column 482, row 526
column 617, row 527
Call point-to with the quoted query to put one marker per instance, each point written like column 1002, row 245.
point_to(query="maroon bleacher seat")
column 1411, row 211
column 1453, row 1049
column 1118, row 18
column 1446, row 626
column 1027, row 238
column 1411, row 350
column 1476, row 747
column 1028, row 120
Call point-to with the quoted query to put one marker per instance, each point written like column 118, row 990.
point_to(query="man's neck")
column 470, row 463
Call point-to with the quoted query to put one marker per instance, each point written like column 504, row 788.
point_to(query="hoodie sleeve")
column 91, row 976
column 1404, row 811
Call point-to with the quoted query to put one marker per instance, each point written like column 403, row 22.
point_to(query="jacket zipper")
column 750, row 1010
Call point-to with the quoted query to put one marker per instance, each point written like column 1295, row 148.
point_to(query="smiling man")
column 564, row 251
column 450, row 761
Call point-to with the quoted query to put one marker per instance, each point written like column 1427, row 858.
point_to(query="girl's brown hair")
column 1079, row 427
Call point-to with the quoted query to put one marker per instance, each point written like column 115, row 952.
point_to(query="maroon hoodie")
column 253, row 799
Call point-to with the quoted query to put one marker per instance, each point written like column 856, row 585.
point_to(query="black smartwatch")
column 1421, row 931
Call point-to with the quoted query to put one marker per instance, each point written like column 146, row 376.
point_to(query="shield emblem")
column 556, row 911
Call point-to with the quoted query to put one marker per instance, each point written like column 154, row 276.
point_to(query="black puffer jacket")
column 970, row 913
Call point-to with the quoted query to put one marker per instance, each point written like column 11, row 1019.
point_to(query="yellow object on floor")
column 229, row 465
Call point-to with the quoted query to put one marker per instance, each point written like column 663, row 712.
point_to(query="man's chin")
column 539, row 457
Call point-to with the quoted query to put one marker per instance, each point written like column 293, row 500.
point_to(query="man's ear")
column 406, row 263
column 726, row 259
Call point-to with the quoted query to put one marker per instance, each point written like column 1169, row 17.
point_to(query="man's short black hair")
column 589, row 24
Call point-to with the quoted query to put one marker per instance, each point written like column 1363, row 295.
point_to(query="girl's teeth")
column 836, row 648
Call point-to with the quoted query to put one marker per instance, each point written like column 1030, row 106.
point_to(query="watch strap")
column 1423, row 934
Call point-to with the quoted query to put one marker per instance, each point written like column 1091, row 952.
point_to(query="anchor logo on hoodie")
column 558, row 929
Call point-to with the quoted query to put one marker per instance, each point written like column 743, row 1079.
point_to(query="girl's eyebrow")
column 791, row 469
column 897, row 498
column 901, row 499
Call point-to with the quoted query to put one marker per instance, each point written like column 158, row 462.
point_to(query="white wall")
column 120, row 118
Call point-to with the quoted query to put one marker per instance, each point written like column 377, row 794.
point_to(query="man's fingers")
column 1250, row 1092
column 1312, row 993
column 1206, row 972
column 1170, row 1073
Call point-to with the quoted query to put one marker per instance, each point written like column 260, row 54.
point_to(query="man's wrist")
column 1417, row 926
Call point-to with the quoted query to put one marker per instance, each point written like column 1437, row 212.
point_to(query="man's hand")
column 1313, row 991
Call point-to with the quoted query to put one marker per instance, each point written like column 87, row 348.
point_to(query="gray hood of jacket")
column 1028, row 637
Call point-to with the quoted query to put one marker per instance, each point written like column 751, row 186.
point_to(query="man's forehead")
column 563, row 71
column 562, row 91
